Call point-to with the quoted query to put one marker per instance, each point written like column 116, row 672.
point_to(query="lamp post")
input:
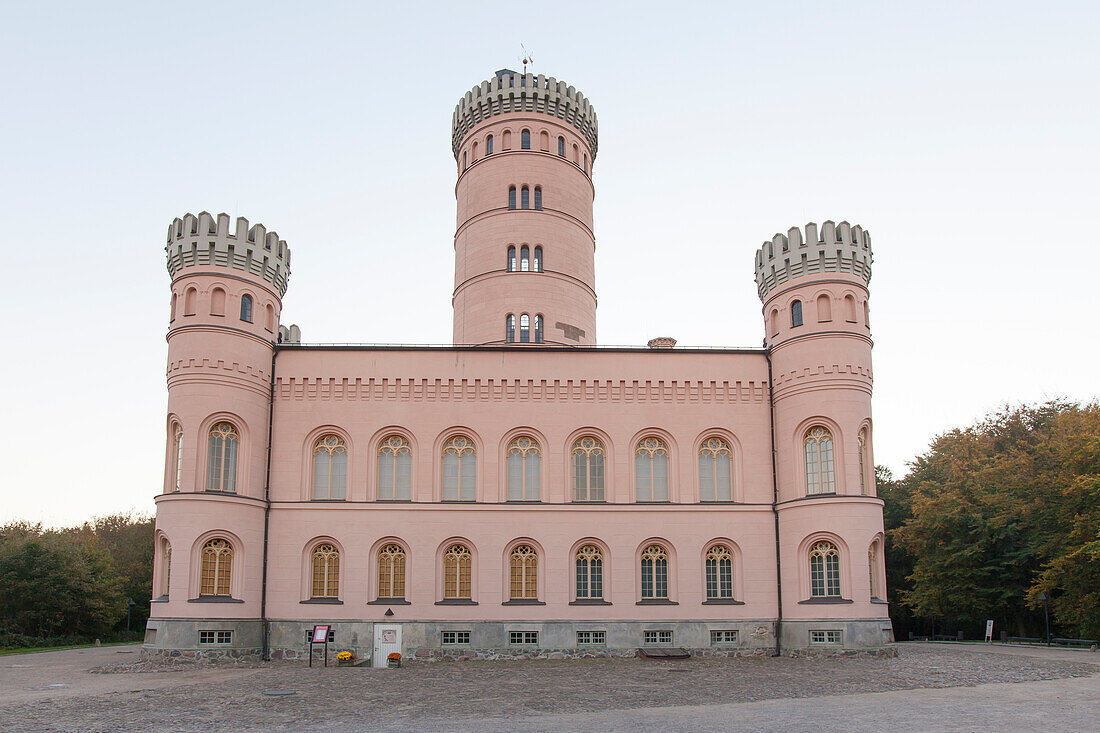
column 129, row 607
column 1046, row 613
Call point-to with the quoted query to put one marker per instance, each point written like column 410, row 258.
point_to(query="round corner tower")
column 814, row 287
column 227, row 289
column 524, row 243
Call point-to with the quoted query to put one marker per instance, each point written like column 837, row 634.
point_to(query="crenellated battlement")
column 510, row 91
column 837, row 248
column 204, row 240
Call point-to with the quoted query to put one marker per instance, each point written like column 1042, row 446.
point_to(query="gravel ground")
column 475, row 690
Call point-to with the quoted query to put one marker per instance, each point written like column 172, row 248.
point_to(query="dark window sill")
column 524, row 501
column 389, row 602
column 879, row 600
column 656, row 602
column 821, row 493
column 824, row 601
column 523, row 602
column 324, row 601
column 589, row 501
column 219, row 493
column 652, row 501
column 394, row 501
column 590, row 602
column 456, row 602
column 214, row 599
column 161, row 599
column 723, row 602
column 717, row 501
column 326, row 501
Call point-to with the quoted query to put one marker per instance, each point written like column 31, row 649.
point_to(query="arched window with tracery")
column 715, row 471
column 538, row 329
column 651, row 470
column 588, row 470
column 719, row 573
column 525, row 139
column 796, row 313
column 177, row 457
column 457, row 565
column 819, row 461
column 326, row 572
column 391, row 572
column 511, row 258
column 525, row 197
column 511, row 197
column 536, row 263
column 524, row 563
column 524, row 469
column 459, row 469
column 524, row 258
column 861, row 441
column 246, row 308
column 510, row 328
column 654, row 573
column 824, row 570
column 524, row 328
column 589, row 573
column 394, row 469
column 217, row 568
column 330, row 467
column 221, row 461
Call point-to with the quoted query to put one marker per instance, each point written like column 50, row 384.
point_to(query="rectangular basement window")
column 216, row 637
column 455, row 638
column 527, row 638
column 825, row 637
column 331, row 635
column 591, row 638
column 723, row 637
column 657, row 637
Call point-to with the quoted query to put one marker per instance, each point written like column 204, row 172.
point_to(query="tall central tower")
column 524, row 246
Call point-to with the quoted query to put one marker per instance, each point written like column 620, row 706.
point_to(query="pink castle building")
column 523, row 491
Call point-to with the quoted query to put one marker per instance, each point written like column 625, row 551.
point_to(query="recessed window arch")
column 589, row 564
column 525, row 197
column 391, row 571
column 538, row 328
column 507, row 140
column 512, row 197
column 172, row 316
column 866, row 315
column 270, row 324
column 524, row 258
column 523, row 564
column 719, row 570
column 325, row 571
column 524, row 328
column 773, row 323
column 796, row 313
column 654, row 572
column 463, row 160
column 217, row 302
column 221, row 459
column 544, row 141
column 651, row 470
column 511, row 261
column 457, row 570
column 216, row 573
column 330, row 467
column 576, row 154
column 191, row 294
column 538, row 198
column 849, row 309
column 524, row 469
column 525, row 139
column 395, row 469
column 824, row 570
column 177, row 457
column 586, row 162
column 861, row 443
column 715, row 470
column 820, row 477
column 824, row 308
column 510, row 328
column 246, row 308
column 166, row 567
column 489, row 145
column 459, row 469
column 588, row 469
column 561, row 146
column 536, row 263
column 872, row 570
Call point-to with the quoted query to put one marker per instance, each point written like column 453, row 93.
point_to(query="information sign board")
column 989, row 630
column 320, row 634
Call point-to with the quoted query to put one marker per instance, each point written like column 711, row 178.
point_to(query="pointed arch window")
column 246, row 308
column 824, row 570
column 524, row 258
column 489, row 145
column 719, row 573
column 561, row 146
column 654, row 573
column 524, row 565
column 511, row 258
column 819, row 462
column 525, row 139
column 796, row 313
column 394, row 469
column 459, row 469
column 217, row 568
column 589, row 573
column 512, row 197
column 391, row 572
column 510, row 328
column 588, row 470
column 715, row 471
column 538, row 197
column 326, row 572
column 861, row 441
column 330, row 467
column 457, row 565
column 177, row 457
column 221, row 461
column 524, row 469
column 651, row 470
column 538, row 329
column 536, row 264
column 525, row 197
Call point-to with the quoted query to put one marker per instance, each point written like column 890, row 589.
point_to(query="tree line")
column 993, row 517
column 74, row 585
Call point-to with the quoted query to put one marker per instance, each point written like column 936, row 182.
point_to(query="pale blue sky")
column 962, row 135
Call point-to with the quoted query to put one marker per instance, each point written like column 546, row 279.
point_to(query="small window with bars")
column 456, row 638
column 718, row 637
column 331, row 635
column 591, row 638
column 216, row 637
column 657, row 637
column 525, row 638
column 825, row 637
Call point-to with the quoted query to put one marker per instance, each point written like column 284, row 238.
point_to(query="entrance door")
column 387, row 639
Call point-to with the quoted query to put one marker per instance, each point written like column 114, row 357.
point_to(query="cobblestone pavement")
column 503, row 695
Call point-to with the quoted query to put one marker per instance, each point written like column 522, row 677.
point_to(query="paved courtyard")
column 927, row 687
